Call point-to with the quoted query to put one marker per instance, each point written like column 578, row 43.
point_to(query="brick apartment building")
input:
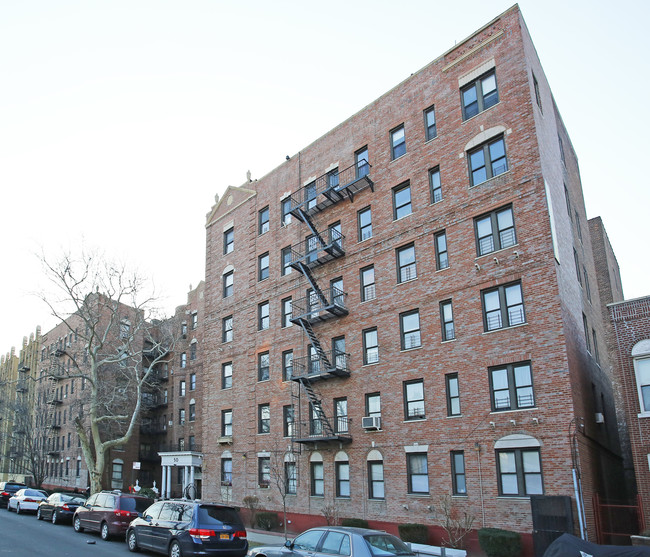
column 408, row 307
column 631, row 340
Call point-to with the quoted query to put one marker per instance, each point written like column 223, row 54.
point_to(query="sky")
column 121, row 120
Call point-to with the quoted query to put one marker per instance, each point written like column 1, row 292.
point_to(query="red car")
column 109, row 513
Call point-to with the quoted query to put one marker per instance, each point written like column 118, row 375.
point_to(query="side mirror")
column 147, row 517
column 289, row 544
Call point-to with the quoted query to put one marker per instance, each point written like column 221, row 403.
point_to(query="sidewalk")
column 267, row 538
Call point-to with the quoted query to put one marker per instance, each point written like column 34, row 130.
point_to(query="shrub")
column 499, row 543
column 414, row 533
column 148, row 492
column 267, row 520
column 355, row 522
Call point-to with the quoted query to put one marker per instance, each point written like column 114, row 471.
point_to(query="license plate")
column 224, row 536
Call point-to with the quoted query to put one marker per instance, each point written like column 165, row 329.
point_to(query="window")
column 361, row 160
column 453, row 394
column 397, row 142
column 287, row 312
column 118, row 467
column 263, row 366
column 577, row 264
column 586, row 283
column 226, row 471
column 226, row 375
column 288, row 421
column 263, row 418
column 263, row 317
column 192, row 412
column 181, row 416
column 495, row 231
column 373, row 405
column 339, row 354
column 402, row 201
column 228, row 284
column 642, row 372
column 290, row 478
column 181, row 388
column 430, row 124
column 333, row 178
column 370, row 346
column 595, row 339
column 342, row 471
column 310, row 195
column 414, row 400
column 312, row 245
column 458, row 484
column 376, row 479
column 435, row 185
column 263, row 266
column 512, row 387
column 193, row 351
column 285, row 205
column 317, row 479
column 447, row 320
column 410, row 329
column 125, row 330
column 479, row 95
column 442, row 257
column 341, row 415
column 192, row 381
column 487, row 161
column 226, row 423
column 364, row 220
column 337, row 292
column 503, row 307
column 538, row 96
column 585, row 326
column 264, row 471
column 226, row 329
column 520, row 472
column 406, row 268
column 418, row 475
column 228, row 241
column 183, row 360
column 287, row 365
column 195, row 320
column 561, row 146
column 263, row 220
column 567, row 198
column 286, row 260
column 334, row 235
column 368, row 283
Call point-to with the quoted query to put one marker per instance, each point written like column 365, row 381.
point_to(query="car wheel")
column 132, row 541
column 54, row 517
column 76, row 524
column 17, row 509
column 38, row 514
column 103, row 532
column 175, row 549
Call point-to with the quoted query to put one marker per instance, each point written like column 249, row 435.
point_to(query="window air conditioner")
column 371, row 422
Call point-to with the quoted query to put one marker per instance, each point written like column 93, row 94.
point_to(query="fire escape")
column 54, row 400
column 321, row 304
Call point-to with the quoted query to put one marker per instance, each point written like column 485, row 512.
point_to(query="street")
column 24, row 536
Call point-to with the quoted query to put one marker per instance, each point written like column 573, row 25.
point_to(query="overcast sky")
column 120, row 120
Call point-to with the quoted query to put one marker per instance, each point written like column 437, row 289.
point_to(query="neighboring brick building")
column 631, row 340
column 408, row 307
column 180, row 447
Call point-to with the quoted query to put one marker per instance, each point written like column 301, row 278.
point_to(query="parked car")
column 109, row 513
column 26, row 499
column 183, row 528
column 60, row 506
column 335, row 540
column 7, row 489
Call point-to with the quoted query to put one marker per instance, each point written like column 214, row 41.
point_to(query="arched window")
column 641, row 356
column 519, row 466
column 342, row 472
column 290, row 474
column 317, row 475
column 375, row 462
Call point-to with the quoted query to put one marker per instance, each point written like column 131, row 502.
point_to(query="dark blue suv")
column 183, row 528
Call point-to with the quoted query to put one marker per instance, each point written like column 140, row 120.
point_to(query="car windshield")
column 34, row 493
column 217, row 516
column 384, row 544
column 137, row 504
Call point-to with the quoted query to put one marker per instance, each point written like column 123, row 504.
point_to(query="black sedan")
column 60, row 506
column 335, row 540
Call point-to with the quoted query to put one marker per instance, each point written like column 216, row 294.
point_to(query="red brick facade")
column 541, row 186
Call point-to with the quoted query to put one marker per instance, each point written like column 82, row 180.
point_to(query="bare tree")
column 110, row 311
column 283, row 472
column 456, row 523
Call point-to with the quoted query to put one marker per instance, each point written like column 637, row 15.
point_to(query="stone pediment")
column 231, row 198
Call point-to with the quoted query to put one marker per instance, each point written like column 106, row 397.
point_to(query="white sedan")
column 26, row 500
